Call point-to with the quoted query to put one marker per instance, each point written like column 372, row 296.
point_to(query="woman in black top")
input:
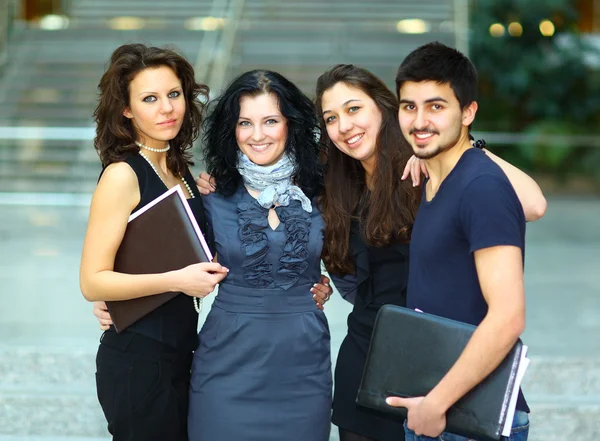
column 147, row 118
column 369, row 212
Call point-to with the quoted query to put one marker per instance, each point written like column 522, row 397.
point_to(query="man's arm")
column 500, row 272
column 493, row 223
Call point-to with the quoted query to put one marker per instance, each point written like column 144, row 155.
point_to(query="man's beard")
column 424, row 154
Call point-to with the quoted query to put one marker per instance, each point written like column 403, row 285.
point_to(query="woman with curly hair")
column 263, row 370
column 147, row 118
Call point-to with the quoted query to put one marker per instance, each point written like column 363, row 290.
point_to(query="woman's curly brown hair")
column 115, row 134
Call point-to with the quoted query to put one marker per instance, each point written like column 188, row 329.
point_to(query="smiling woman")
column 369, row 212
column 263, row 368
column 352, row 124
column 261, row 132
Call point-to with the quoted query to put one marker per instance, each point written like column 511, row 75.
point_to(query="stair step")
column 50, row 438
column 46, row 392
column 18, row 185
column 69, row 415
column 66, row 171
column 52, row 120
column 51, row 111
column 79, row 415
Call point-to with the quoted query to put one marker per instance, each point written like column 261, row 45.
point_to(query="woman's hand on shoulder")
column 205, row 183
column 322, row 291
column 414, row 168
column 101, row 313
column 200, row 279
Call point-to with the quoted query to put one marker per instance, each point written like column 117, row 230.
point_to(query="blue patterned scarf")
column 273, row 181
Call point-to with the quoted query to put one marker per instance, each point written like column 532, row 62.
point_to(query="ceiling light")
column 412, row 26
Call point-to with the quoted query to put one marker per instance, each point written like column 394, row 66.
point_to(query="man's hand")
column 424, row 418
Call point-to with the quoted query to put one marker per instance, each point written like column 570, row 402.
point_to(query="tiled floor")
column 42, row 310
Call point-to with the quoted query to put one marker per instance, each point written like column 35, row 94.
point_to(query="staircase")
column 302, row 38
column 52, row 78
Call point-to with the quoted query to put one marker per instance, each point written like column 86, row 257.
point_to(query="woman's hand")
column 200, row 279
column 101, row 313
column 205, row 183
column 321, row 292
column 414, row 167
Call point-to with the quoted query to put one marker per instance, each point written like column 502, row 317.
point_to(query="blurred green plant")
column 535, row 84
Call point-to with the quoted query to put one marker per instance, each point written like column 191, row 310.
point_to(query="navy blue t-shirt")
column 475, row 207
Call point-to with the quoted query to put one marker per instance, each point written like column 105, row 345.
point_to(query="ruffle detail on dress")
column 294, row 258
column 253, row 220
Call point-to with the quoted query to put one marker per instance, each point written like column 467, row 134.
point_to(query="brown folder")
column 161, row 236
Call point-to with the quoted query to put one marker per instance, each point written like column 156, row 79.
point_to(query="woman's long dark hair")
column 220, row 145
column 387, row 212
column 115, row 134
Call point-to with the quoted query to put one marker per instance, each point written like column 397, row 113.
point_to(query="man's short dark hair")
column 442, row 64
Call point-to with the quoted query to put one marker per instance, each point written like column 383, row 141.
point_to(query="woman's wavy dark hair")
column 220, row 145
column 387, row 212
column 115, row 134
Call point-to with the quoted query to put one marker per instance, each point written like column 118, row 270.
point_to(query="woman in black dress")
column 147, row 117
column 369, row 212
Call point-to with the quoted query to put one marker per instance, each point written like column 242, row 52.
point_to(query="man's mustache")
column 434, row 132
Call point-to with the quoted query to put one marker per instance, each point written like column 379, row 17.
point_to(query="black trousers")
column 142, row 386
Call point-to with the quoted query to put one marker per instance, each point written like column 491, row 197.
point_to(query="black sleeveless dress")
column 143, row 373
column 382, row 276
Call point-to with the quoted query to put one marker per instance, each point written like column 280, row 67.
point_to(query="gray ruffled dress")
column 262, row 370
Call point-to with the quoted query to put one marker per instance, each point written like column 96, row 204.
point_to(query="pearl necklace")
column 197, row 302
column 187, row 186
column 142, row 146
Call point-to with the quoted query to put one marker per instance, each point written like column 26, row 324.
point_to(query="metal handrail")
column 548, row 140
column 216, row 47
column 7, row 17
column 208, row 44
column 221, row 63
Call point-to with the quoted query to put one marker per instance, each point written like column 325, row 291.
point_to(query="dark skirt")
column 347, row 414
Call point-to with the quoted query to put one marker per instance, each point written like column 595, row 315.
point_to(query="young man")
column 466, row 258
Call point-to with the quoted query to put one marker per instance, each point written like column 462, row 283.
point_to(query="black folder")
column 411, row 351
column 161, row 236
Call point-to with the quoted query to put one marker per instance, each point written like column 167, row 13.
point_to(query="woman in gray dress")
column 263, row 370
